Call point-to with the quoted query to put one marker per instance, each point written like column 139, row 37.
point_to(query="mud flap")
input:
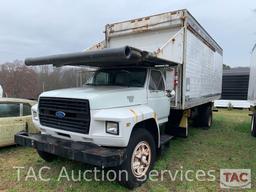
column 178, row 123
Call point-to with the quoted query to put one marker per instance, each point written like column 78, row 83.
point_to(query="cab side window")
column 156, row 81
column 101, row 78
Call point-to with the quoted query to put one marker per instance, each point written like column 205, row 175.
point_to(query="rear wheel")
column 253, row 125
column 141, row 154
column 205, row 117
column 46, row 156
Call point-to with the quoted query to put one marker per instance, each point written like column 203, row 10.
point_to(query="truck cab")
column 116, row 99
column 117, row 119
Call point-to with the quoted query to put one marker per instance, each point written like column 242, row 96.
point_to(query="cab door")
column 157, row 98
column 11, row 122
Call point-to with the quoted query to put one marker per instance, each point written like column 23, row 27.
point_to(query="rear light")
column 176, row 80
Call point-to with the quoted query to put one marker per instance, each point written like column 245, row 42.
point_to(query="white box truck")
column 252, row 90
column 153, row 75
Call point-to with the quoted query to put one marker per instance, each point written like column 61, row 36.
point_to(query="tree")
column 19, row 81
column 225, row 67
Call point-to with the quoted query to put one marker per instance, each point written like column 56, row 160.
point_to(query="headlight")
column 35, row 115
column 112, row 127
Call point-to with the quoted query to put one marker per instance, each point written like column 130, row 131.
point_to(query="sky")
column 32, row 28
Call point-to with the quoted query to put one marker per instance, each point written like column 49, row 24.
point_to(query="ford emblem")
column 60, row 114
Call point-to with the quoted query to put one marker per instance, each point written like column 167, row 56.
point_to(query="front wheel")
column 141, row 154
column 253, row 125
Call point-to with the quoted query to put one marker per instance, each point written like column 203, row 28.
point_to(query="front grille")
column 76, row 114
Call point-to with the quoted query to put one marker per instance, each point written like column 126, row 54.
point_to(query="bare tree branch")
column 21, row 81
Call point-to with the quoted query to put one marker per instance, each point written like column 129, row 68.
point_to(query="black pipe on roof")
column 125, row 56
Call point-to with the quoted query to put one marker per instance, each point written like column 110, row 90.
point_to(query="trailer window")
column 26, row 109
column 9, row 110
column 119, row 77
column 156, row 81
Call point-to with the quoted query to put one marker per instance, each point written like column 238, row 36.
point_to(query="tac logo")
column 235, row 178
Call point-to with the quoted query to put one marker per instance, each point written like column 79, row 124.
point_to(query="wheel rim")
column 252, row 125
column 141, row 159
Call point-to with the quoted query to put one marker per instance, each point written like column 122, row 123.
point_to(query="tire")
column 253, row 125
column 133, row 178
column 204, row 118
column 48, row 157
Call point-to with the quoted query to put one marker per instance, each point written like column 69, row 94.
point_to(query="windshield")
column 119, row 77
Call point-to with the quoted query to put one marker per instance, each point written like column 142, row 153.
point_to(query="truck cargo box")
column 178, row 37
column 252, row 81
column 174, row 39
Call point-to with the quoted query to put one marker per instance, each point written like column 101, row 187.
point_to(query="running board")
column 165, row 139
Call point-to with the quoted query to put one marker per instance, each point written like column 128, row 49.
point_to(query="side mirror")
column 170, row 93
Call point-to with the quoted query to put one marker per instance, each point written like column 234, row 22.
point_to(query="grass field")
column 228, row 144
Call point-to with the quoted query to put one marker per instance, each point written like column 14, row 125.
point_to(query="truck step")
column 165, row 138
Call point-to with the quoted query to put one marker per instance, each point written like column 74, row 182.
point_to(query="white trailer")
column 154, row 73
column 252, row 90
column 1, row 91
column 235, row 85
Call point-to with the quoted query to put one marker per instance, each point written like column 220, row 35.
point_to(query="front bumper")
column 79, row 151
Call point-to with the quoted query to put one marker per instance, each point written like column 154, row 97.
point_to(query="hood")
column 103, row 97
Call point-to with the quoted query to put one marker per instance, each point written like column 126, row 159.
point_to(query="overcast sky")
column 42, row 27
